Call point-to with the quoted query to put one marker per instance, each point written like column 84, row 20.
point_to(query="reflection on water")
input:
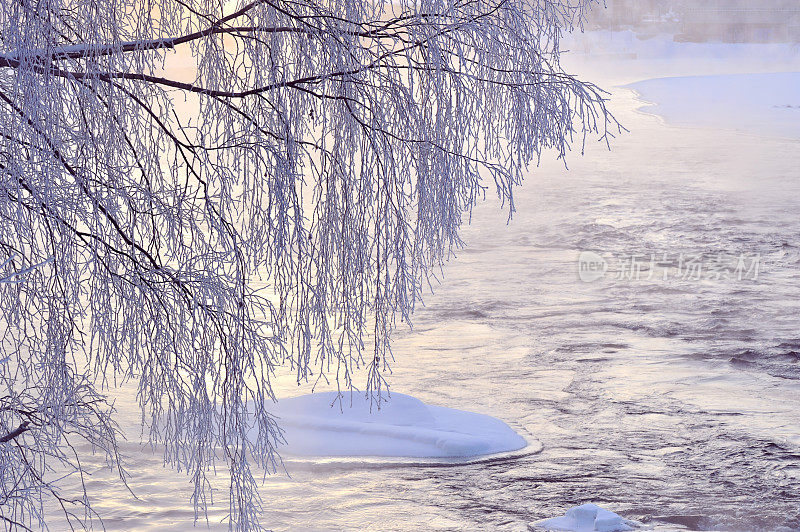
column 671, row 402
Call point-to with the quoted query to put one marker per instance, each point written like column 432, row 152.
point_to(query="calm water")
column 673, row 402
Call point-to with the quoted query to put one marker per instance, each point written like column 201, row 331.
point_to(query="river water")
column 670, row 399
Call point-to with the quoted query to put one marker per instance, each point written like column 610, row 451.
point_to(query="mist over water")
column 670, row 401
column 729, row 21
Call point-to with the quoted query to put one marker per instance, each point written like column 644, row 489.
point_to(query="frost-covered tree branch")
column 280, row 203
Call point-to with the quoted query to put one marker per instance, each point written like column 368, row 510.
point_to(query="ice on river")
column 587, row 518
column 767, row 104
column 317, row 425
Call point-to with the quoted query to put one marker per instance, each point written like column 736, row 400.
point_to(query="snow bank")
column 756, row 103
column 587, row 518
column 316, row 425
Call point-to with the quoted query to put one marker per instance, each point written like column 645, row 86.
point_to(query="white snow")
column 587, row 518
column 317, row 425
column 766, row 104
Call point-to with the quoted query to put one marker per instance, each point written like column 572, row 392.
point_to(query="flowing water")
column 664, row 397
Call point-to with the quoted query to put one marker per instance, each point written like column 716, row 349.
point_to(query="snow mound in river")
column 317, row 425
column 587, row 518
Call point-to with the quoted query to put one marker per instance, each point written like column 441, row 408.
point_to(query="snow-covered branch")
column 278, row 204
column 93, row 50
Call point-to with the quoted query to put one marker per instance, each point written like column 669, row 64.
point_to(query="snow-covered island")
column 587, row 518
column 319, row 424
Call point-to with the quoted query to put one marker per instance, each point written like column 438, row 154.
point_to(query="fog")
column 734, row 21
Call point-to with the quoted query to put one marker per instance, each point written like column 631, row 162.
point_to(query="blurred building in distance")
column 702, row 20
